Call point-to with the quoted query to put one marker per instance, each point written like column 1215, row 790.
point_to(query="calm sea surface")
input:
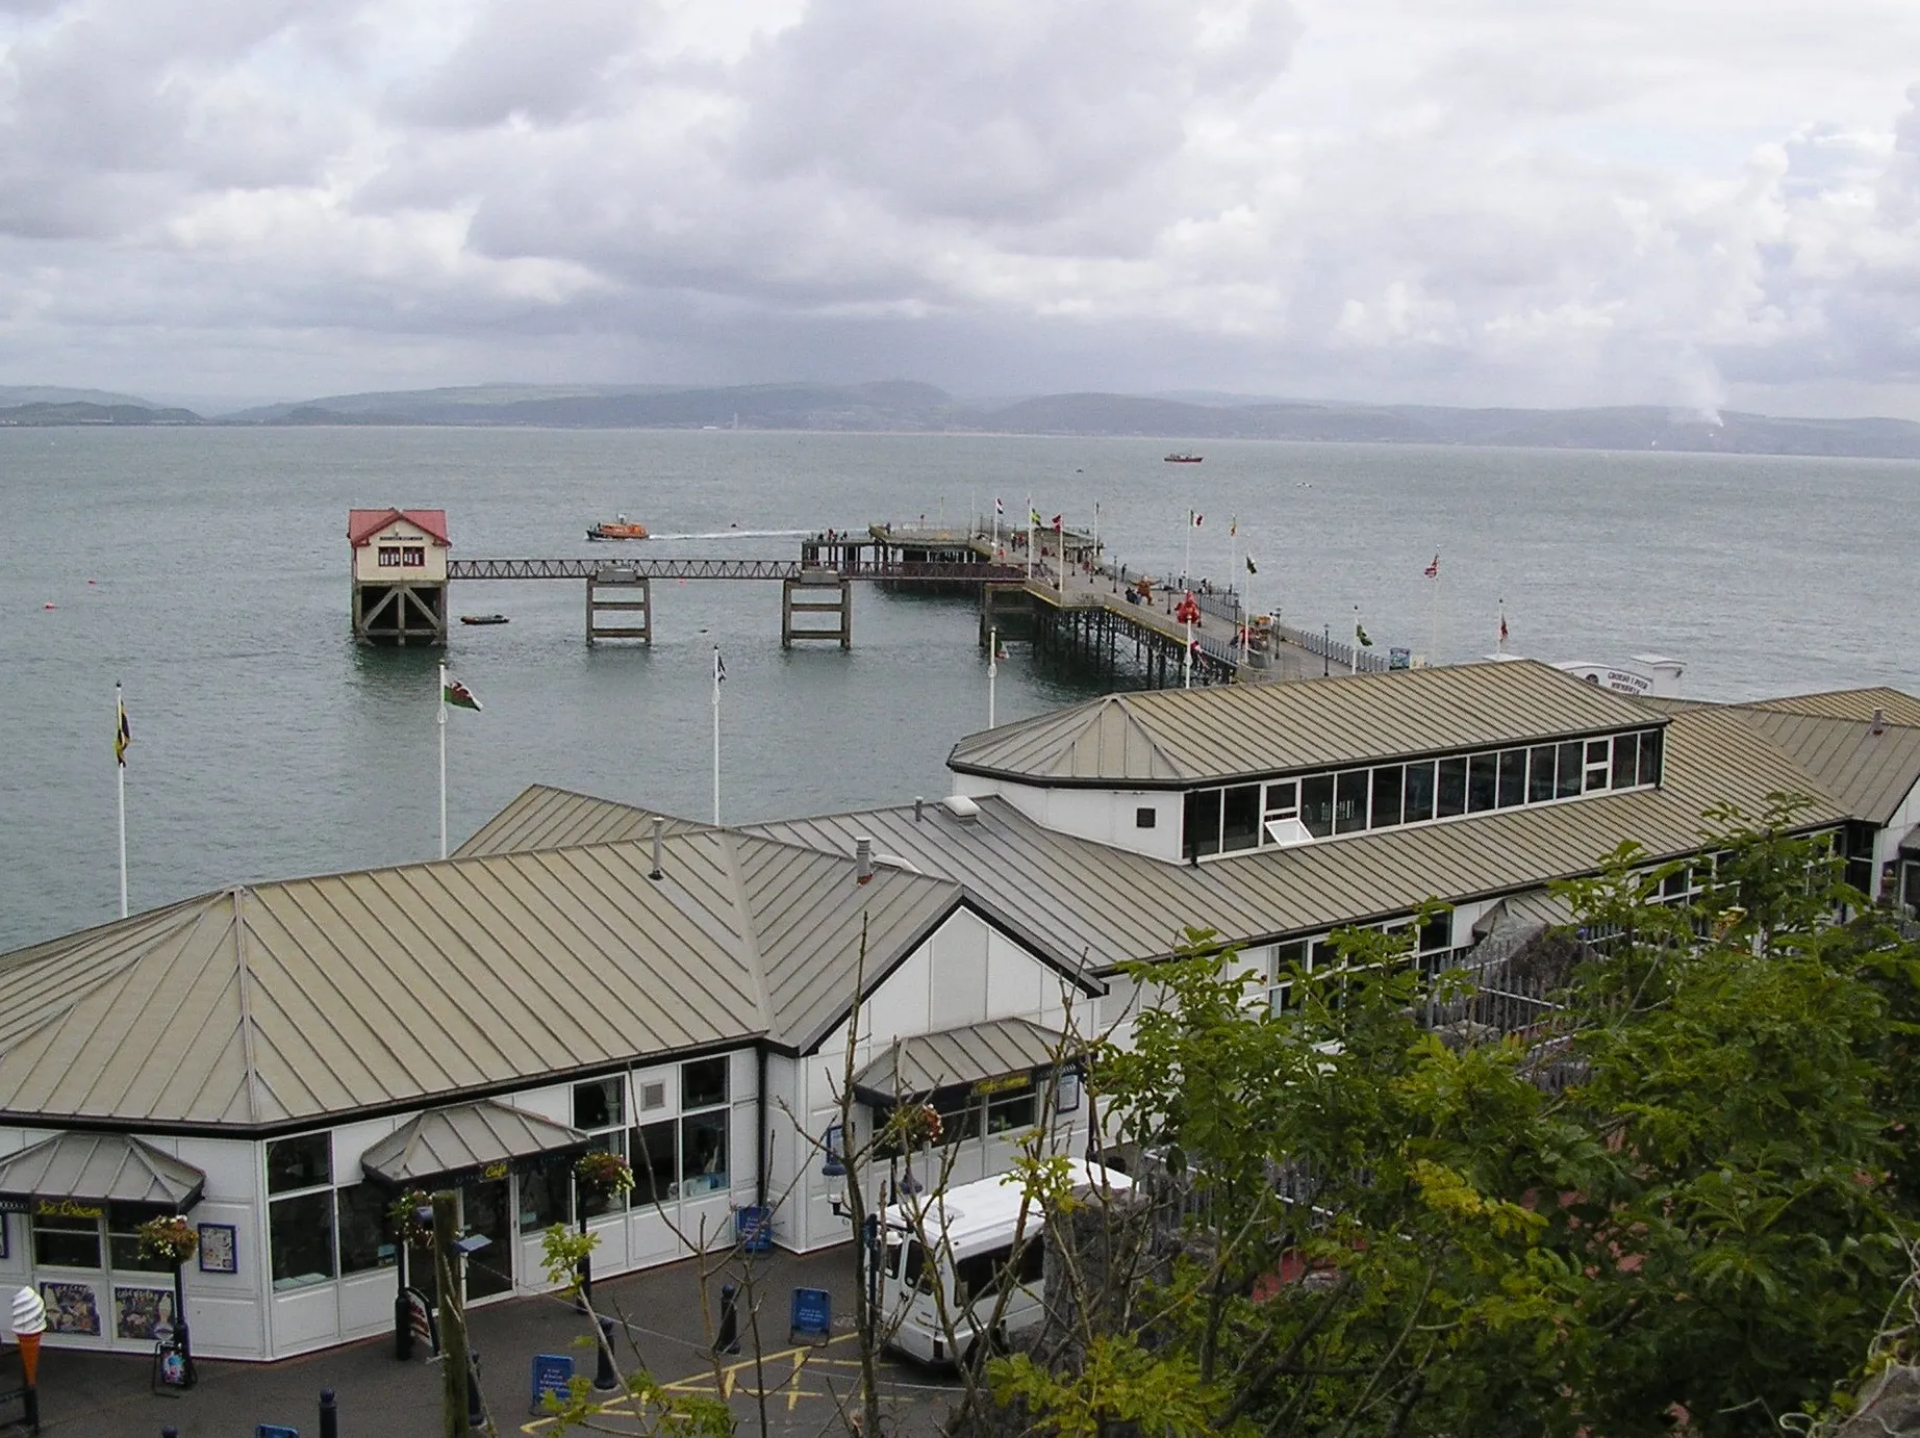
column 266, row 744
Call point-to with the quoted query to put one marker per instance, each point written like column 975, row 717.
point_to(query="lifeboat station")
column 277, row 1062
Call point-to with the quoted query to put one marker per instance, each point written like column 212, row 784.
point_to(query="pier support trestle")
column 818, row 594
column 624, row 595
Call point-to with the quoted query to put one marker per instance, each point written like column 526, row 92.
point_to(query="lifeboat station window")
column 389, row 556
column 413, row 556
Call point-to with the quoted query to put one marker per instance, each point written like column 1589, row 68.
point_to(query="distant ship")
column 1185, row 458
column 483, row 619
column 620, row 528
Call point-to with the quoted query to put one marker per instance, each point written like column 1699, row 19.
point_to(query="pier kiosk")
column 399, row 575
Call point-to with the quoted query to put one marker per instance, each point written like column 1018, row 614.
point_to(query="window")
column 1145, row 817
column 123, row 1240
column 1452, row 797
column 1202, row 827
column 1287, row 960
column 959, row 1116
column 1388, row 783
column 703, row 1153
column 1650, row 757
column 1283, row 800
column 303, row 1162
column 63, row 1241
column 1626, row 761
column 1437, row 933
column 1350, row 807
column 1240, row 818
column 656, row 1162
column 366, row 1228
column 545, row 1191
column 1419, row 805
column 1316, row 805
column 413, row 556
column 703, row 1083
column 300, row 1237
column 1540, row 774
column 600, row 1104
column 389, row 556
column 1569, row 770
column 1599, row 763
column 1483, row 778
column 1010, row 1112
column 1513, row 777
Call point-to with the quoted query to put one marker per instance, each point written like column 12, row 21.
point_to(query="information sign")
column 1398, row 658
column 552, row 1372
column 812, row 1315
column 754, row 1224
column 274, row 1430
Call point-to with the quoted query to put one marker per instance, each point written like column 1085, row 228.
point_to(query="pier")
column 1074, row 604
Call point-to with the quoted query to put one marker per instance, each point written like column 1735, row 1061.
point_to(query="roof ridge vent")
column 962, row 808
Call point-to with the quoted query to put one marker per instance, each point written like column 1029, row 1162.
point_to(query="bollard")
column 30, row 1410
column 728, row 1339
column 169, row 1433
column 604, row 1378
column 402, row 1327
column 329, row 1415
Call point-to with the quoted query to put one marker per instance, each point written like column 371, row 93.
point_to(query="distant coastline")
column 903, row 407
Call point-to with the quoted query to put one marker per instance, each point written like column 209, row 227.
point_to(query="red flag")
column 1059, row 523
column 1433, row 569
column 1503, row 629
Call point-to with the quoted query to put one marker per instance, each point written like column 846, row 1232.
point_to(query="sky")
column 1693, row 203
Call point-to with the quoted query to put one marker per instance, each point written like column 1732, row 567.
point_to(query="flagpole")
column 1030, row 515
column 441, row 696
column 716, row 735
column 1186, row 561
column 1186, row 656
column 120, row 772
column 1433, row 621
column 1502, row 646
column 1353, row 651
column 993, row 671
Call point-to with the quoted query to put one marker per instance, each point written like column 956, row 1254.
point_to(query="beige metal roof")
column 461, row 1138
column 1899, row 706
column 1084, row 898
column 1173, row 737
column 915, row 1066
column 543, row 817
column 1867, row 774
column 101, row 1168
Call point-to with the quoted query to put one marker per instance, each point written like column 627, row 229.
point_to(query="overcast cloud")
column 1686, row 202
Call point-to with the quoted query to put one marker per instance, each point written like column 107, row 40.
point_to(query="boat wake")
column 739, row 534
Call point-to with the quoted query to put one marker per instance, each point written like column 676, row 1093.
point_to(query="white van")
column 971, row 1229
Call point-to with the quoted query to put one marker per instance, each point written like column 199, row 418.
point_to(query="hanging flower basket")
column 603, row 1174
column 920, row 1124
column 410, row 1229
column 170, row 1238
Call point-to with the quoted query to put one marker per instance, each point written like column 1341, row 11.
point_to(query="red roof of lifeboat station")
column 363, row 524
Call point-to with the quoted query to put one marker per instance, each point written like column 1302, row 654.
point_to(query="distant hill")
column 903, row 406
column 15, row 395
column 25, row 415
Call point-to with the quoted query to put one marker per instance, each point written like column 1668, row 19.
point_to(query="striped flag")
column 1433, row 569
column 122, row 731
column 998, row 508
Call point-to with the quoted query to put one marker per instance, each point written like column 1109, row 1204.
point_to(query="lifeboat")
column 620, row 528
column 1185, row 458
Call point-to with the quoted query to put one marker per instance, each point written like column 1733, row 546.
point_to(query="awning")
column 95, row 1168
column 971, row 1057
column 466, row 1140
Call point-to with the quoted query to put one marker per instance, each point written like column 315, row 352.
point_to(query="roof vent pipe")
column 1879, row 721
column 659, row 828
column 919, row 807
column 863, row 860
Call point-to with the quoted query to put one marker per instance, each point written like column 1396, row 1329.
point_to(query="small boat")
column 1185, row 458
column 620, row 528
column 483, row 619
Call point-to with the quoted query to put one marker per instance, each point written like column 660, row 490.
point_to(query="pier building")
column 278, row 1060
column 399, row 575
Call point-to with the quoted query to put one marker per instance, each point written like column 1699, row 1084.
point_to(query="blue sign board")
column 1398, row 658
column 812, row 1314
column 274, row 1430
column 754, row 1224
column 551, row 1374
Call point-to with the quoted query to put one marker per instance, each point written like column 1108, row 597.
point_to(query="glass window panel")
column 305, row 1161
column 1287, row 957
column 703, row 1083
column 1350, row 803
column 959, row 1115
column 1513, row 777
column 1240, row 818
column 1596, row 751
column 1626, row 750
column 1596, row 777
column 1419, row 803
column 1388, row 783
column 1437, row 933
column 1540, row 781
column 1201, row 835
column 1010, row 1113
column 300, row 1239
column 1483, row 782
column 656, row 1162
column 546, row 1193
column 1283, row 798
column 703, row 1152
column 123, row 1240
column 66, row 1242
column 1452, row 798
column 1568, row 778
column 1316, row 805
column 600, row 1104
column 1650, row 757
column 595, row 1204
column 366, row 1234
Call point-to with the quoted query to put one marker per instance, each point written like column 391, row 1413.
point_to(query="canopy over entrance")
column 970, row 1057
column 466, row 1140
column 99, row 1168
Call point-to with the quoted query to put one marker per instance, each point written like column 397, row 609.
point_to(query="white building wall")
column 366, row 558
column 1106, row 816
column 1886, row 844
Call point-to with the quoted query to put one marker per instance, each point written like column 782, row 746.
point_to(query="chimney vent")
column 962, row 808
column 863, row 860
column 659, row 828
column 1879, row 721
column 919, row 807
